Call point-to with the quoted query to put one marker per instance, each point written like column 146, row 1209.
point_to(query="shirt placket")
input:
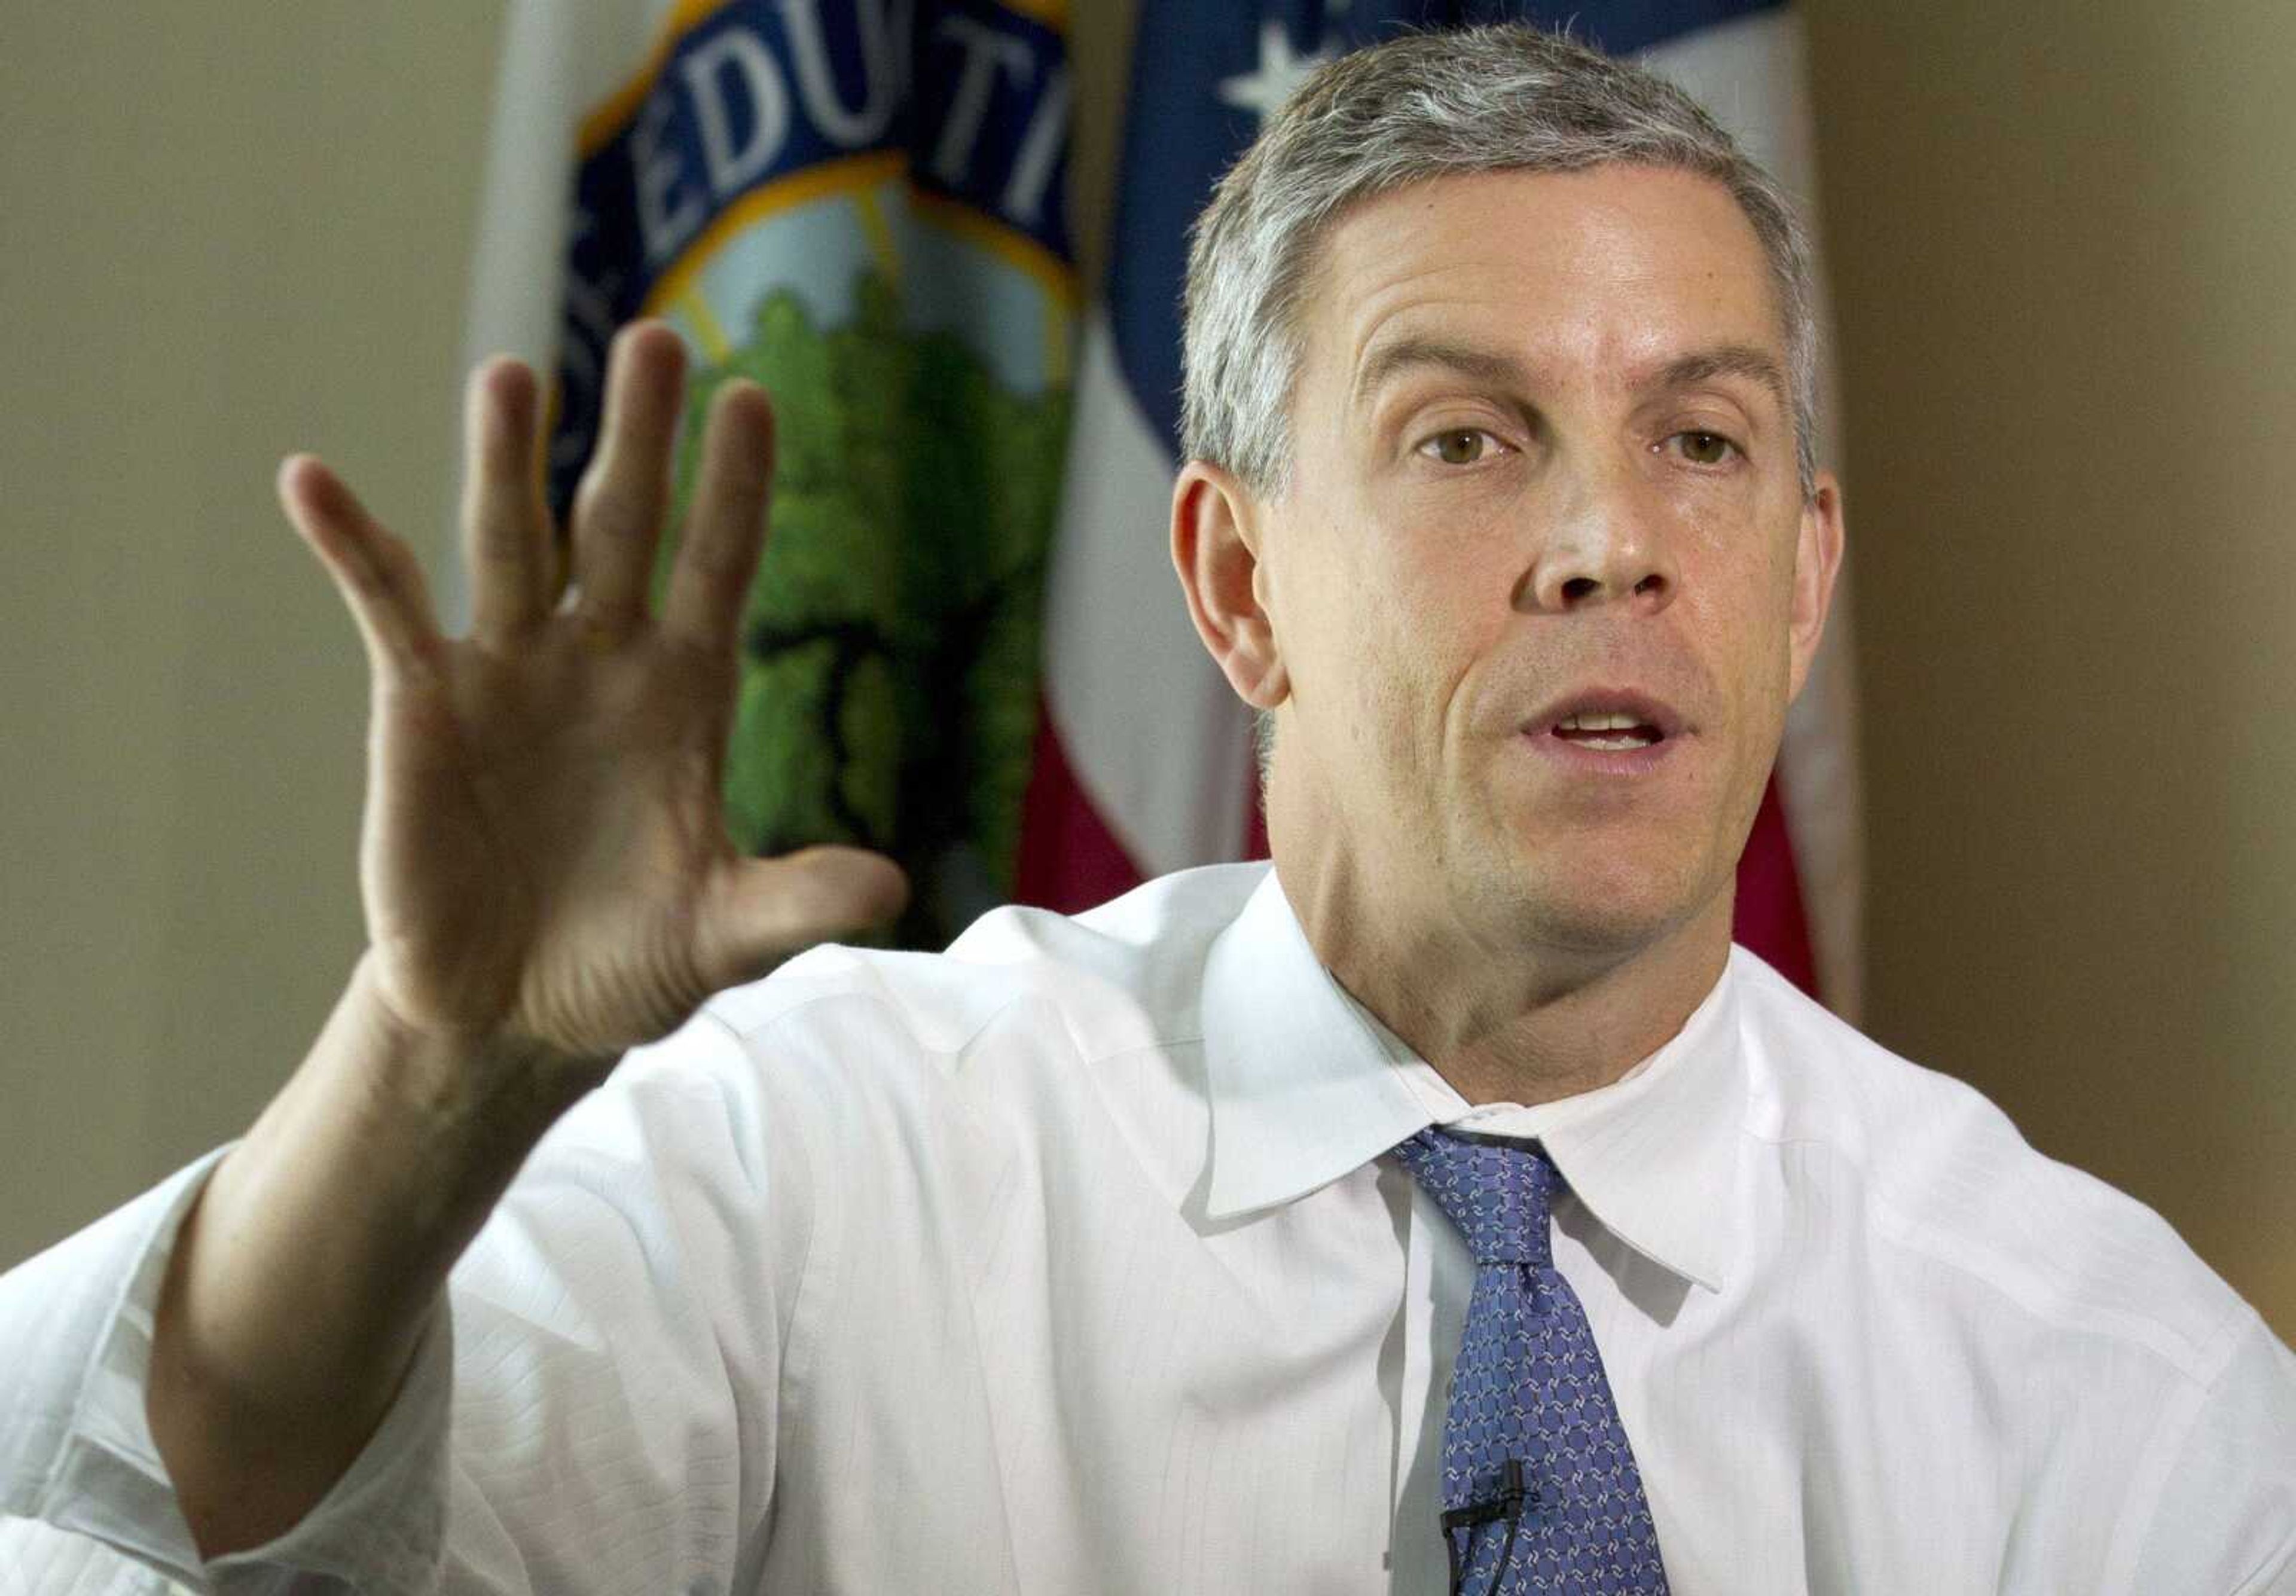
column 1437, row 1278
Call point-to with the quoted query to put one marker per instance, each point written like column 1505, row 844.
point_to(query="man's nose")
column 1610, row 544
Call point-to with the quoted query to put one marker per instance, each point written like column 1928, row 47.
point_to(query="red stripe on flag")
column 1069, row 860
column 1770, row 917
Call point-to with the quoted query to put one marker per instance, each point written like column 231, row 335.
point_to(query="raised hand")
column 547, row 879
column 544, row 860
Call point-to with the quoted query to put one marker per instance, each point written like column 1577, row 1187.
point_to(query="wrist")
column 481, row 1094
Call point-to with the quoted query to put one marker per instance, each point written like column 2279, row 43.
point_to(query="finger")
column 379, row 577
column 726, row 528
column 505, row 523
column 761, row 911
column 624, row 495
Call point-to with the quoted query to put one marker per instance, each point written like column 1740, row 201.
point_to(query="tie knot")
column 1499, row 1193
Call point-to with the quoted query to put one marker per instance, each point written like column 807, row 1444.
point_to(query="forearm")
column 300, row 1283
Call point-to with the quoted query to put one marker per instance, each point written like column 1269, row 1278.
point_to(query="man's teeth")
column 1636, row 734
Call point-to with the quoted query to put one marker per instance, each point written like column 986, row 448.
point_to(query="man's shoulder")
column 1124, row 975
column 1941, row 1172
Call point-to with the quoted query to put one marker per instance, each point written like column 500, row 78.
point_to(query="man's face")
column 1543, row 465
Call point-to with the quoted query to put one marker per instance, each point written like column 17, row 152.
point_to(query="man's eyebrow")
column 1726, row 360
column 1391, row 359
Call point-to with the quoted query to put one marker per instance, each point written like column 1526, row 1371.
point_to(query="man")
column 1450, row 1207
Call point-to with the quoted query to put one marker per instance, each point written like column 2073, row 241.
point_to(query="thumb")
column 761, row 911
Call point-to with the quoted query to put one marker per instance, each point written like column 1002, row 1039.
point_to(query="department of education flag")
column 861, row 204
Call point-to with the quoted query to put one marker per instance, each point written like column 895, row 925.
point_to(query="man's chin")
column 1607, row 917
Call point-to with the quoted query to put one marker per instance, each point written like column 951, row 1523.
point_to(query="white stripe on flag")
column 1158, row 739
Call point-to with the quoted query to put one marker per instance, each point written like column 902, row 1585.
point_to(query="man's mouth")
column 1607, row 731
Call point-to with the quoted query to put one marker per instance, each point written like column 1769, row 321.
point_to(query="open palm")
column 544, row 858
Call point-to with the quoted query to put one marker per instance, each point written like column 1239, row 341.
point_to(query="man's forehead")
column 1624, row 267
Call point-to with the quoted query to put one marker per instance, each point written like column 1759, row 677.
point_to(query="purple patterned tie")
column 1540, row 1491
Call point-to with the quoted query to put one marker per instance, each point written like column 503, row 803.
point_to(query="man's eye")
column 1705, row 448
column 1458, row 446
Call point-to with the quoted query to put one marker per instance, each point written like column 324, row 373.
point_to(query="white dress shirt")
column 1070, row 1261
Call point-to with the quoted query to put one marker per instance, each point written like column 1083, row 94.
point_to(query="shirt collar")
column 1305, row 1086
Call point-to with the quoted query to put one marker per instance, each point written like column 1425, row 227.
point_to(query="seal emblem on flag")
column 860, row 206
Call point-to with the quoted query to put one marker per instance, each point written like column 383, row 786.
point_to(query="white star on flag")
column 1263, row 92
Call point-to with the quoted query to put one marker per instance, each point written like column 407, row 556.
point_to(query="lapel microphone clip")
column 1507, row 1502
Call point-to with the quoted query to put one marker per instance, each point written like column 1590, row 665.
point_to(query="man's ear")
column 1818, row 561
column 1218, row 537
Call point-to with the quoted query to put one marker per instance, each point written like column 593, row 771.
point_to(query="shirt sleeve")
column 591, row 1411
column 2226, row 1518
column 76, row 1450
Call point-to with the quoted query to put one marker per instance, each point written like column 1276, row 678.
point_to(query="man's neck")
column 1509, row 1020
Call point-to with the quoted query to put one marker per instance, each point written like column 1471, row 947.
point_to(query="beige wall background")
column 2061, row 241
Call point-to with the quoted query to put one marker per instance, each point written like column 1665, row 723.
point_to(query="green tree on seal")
column 888, row 679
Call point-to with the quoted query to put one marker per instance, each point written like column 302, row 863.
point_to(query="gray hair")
column 1508, row 97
